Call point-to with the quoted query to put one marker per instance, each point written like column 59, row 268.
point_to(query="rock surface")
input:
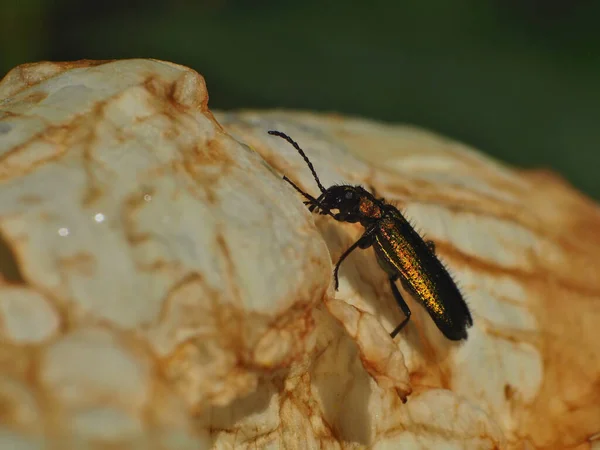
column 162, row 288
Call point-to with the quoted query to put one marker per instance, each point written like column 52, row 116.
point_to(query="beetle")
column 401, row 252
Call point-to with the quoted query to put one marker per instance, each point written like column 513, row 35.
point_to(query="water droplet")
column 99, row 217
column 63, row 231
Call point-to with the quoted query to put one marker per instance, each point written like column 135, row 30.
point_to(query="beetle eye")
column 349, row 195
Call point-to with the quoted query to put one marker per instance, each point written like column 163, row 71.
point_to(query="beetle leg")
column 310, row 200
column 365, row 241
column 374, row 192
column 402, row 304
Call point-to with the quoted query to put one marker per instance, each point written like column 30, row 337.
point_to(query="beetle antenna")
column 297, row 147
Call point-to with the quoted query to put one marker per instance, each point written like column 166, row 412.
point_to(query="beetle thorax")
column 369, row 209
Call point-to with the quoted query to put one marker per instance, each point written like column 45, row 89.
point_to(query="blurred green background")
column 519, row 79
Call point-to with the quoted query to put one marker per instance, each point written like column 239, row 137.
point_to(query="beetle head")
column 345, row 199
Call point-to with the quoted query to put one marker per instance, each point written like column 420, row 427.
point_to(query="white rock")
column 162, row 287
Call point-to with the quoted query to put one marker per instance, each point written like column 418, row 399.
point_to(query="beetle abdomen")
column 399, row 248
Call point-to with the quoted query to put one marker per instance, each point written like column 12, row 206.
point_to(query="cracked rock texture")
column 162, row 288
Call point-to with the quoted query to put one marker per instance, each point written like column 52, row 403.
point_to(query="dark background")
column 519, row 79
